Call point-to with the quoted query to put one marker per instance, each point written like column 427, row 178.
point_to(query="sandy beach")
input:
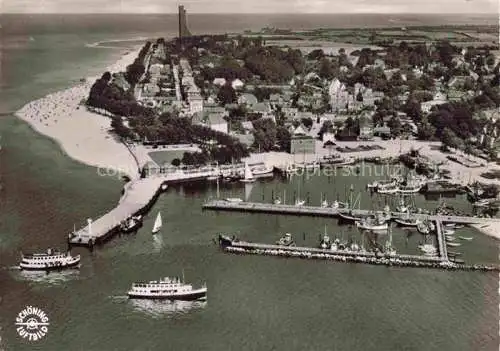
column 83, row 135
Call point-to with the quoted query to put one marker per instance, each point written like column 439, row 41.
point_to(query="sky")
column 252, row 6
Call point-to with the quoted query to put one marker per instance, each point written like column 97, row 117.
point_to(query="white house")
column 219, row 81
column 237, row 84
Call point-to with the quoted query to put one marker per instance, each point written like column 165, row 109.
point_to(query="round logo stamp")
column 32, row 323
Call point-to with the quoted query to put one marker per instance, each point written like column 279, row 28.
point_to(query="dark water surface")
column 254, row 303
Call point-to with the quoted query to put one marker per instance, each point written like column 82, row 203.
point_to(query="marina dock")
column 318, row 211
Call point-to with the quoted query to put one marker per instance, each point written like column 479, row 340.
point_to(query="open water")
column 254, row 303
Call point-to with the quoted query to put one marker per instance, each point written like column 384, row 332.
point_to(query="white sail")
column 158, row 224
column 248, row 174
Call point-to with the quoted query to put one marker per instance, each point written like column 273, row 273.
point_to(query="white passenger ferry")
column 167, row 289
column 51, row 260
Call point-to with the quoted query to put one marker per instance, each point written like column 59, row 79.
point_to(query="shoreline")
column 82, row 135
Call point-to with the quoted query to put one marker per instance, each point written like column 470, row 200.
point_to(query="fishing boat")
column 410, row 189
column 299, row 202
column 325, row 241
column 337, row 161
column 158, row 224
column 131, row 224
column 248, row 177
column 286, row 240
column 337, row 204
column 167, row 289
column 428, row 249
column 261, row 169
column 382, row 184
column 349, row 216
column 324, row 204
column 402, row 207
column 452, row 244
column 47, row 261
column 233, row 199
column 375, row 223
column 407, row 221
column 466, row 238
column 423, row 228
column 454, row 226
column 394, row 189
column 277, row 201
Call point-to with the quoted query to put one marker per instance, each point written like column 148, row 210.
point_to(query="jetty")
column 138, row 197
column 318, row 211
column 375, row 258
column 443, row 251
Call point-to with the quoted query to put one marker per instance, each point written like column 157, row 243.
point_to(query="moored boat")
column 233, row 199
column 131, row 224
column 286, row 240
column 261, row 169
column 452, row 244
column 467, row 238
column 407, row 221
column 167, row 289
column 50, row 260
column 248, row 177
column 375, row 223
column 392, row 189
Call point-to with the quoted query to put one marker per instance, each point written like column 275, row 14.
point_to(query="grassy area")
column 166, row 156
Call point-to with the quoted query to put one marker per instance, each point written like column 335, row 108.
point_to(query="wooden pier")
column 317, row 211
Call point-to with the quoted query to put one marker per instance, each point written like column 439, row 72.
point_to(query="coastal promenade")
column 224, row 205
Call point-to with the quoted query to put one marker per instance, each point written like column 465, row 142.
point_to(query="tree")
column 426, row 131
column 283, row 137
column 326, row 69
column 176, row 162
column 359, row 96
column 226, row 95
column 395, row 125
column 449, row 138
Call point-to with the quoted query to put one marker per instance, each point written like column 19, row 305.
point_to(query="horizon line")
column 252, row 13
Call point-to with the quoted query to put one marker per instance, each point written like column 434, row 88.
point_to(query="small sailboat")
column 467, row 238
column 248, row 178
column 158, row 224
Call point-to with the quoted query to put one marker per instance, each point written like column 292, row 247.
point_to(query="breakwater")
column 353, row 257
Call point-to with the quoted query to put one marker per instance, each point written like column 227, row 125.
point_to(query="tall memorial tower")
column 183, row 29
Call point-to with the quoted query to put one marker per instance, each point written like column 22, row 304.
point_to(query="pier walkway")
column 443, row 251
column 224, row 205
column 138, row 196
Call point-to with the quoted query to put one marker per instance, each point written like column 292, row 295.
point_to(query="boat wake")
column 167, row 308
column 50, row 278
column 157, row 242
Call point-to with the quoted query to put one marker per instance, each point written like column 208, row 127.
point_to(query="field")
column 166, row 157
